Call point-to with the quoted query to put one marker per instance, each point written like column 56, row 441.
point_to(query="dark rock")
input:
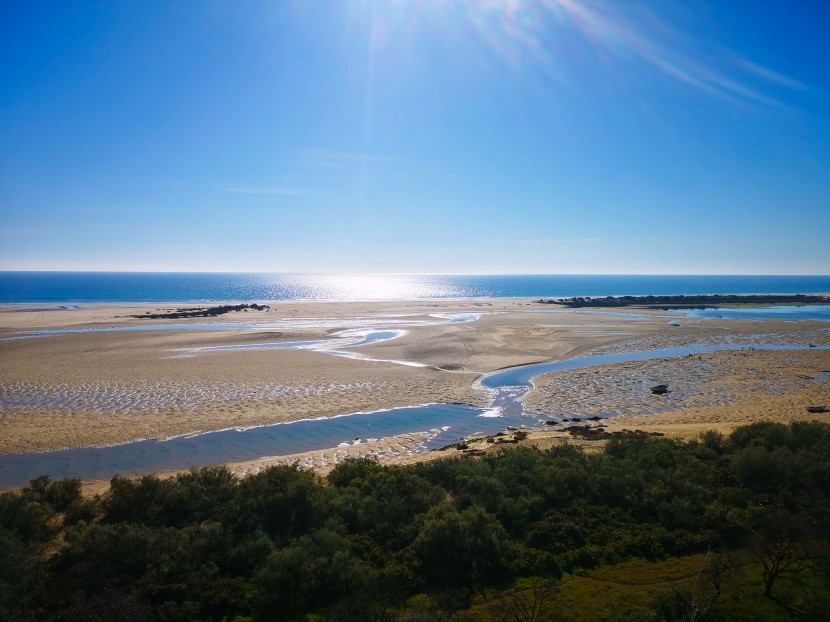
column 189, row 312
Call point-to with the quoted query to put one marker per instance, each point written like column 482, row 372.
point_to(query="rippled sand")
column 155, row 397
column 695, row 382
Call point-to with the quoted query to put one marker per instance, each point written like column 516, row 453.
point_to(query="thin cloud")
column 769, row 75
column 522, row 29
column 553, row 242
column 339, row 160
column 265, row 190
column 238, row 189
column 668, row 57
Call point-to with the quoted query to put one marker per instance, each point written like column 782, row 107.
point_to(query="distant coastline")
column 686, row 302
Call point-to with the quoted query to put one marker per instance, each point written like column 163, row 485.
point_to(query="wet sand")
column 96, row 388
column 696, row 382
column 718, row 391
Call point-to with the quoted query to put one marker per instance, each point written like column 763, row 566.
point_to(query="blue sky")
column 450, row 136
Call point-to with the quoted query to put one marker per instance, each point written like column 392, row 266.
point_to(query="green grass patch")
column 610, row 592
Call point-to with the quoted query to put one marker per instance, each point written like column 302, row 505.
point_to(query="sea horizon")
column 87, row 287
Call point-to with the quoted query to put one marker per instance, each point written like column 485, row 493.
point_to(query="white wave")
column 491, row 413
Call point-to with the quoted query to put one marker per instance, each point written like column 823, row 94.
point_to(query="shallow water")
column 377, row 322
column 345, row 339
column 519, row 376
column 239, row 445
column 819, row 313
column 506, row 386
column 357, row 331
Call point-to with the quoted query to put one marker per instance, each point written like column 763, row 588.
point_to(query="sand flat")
column 94, row 388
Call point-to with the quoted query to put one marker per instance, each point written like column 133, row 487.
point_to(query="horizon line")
column 371, row 273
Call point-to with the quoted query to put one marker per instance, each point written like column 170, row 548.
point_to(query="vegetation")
column 695, row 301
column 649, row 529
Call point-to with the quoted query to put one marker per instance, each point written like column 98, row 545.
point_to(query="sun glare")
column 379, row 287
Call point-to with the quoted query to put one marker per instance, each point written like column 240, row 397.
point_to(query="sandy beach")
column 98, row 387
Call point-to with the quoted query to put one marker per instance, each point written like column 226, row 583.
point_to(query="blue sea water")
column 123, row 287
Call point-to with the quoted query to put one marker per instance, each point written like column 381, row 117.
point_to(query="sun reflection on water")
column 367, row 287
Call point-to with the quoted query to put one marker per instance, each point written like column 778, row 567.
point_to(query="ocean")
column 168, row 287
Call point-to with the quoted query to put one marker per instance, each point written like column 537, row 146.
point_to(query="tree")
column 782, row 557
column 460, row 548
column 528, row 600
column 787, row 546
column 720, row 569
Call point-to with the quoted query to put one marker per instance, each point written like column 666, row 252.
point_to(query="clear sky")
column 451, row 136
